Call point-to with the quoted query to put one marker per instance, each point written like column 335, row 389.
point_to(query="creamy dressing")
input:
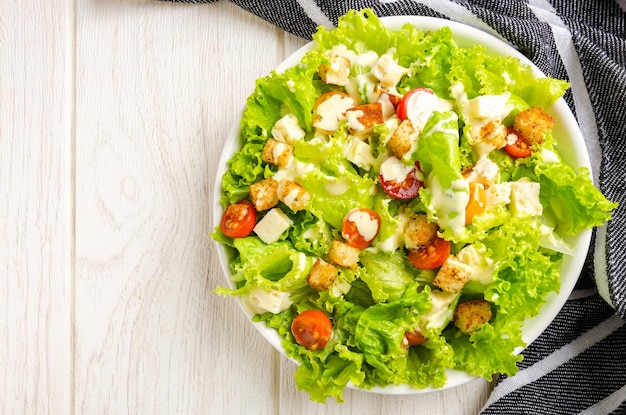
column 332, row 111
column 365, row 225
column 359, row 153
column 336, row 187
column 393, row 169
column 352, row 117
column 449, row 204
column 440, row 313
column 481, row 266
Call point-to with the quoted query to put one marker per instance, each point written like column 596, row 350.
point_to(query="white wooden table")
column 112, row 117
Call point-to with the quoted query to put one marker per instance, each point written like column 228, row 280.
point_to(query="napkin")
column 578, row 365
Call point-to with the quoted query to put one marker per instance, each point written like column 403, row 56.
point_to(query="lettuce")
column 372, row 306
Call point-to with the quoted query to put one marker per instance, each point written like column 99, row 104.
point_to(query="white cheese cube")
column 388, row 71
column 359, row 153
column 488, row 106
column 498, row 194
column 260, row 301
column 272, row 226
column 287, row 129
column 525, row 198
column 486, row 171
column 331, row 111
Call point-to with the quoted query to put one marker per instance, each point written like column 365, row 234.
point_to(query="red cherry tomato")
column 357, row 221
column 406, row 189
column 431, row 256
column 238, row 220
column 519, row 148
column 312, row 329
column 410, row 101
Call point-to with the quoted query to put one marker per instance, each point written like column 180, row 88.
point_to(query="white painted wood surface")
column 112, row 117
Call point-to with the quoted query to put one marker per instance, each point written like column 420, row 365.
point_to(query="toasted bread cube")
column 336, row 72
column 419, row 232
column 322, row 275
column 343, row 254
column 469, row 316
column 293, row 195
column 452, row 275
column 533, row 124
column 494, row 133
column 277, row 153
column 329, row 109
column 263, row 194
column 413, row 338
column 363, row 118
column 403, row 139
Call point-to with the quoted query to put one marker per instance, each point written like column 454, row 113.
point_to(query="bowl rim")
column 575, row 154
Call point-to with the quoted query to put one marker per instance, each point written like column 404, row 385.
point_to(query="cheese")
column 440, row 313
column 387, row 70
column 287, row 129
column 359, row 153
column 525, row 198
column 260, row 301
column 480, row 265
column 271, row 227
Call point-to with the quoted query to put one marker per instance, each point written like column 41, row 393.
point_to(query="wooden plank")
column 158, row 87
column 35, row 207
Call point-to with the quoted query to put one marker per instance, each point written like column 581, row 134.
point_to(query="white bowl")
column 571, row 146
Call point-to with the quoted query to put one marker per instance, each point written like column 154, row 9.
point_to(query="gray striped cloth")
column 578, row 365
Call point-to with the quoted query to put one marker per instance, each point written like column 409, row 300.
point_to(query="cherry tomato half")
column 312, row 329
column 431, row 256
column 477, row 201
column 238, row 220
column 406, row 189
column 360, row 227
column 410, row 102
column 520, row 147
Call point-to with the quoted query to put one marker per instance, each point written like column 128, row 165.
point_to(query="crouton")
column 263, row 194
column 413, row 338
column 403, row 139
column 277, row 153
column 533, row 124
column 322, row 275
column 363, row 118
column 452, row 275
column 293, row 195
column 469, row 316
column 493, row 133
column 419, row 232
column 336, row 72
column 343, row 254
column 329, row 109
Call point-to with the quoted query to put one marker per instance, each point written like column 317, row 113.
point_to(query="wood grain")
column 113, row 114
column 35, row 209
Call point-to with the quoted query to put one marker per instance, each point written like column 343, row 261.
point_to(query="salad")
column 398, row 207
